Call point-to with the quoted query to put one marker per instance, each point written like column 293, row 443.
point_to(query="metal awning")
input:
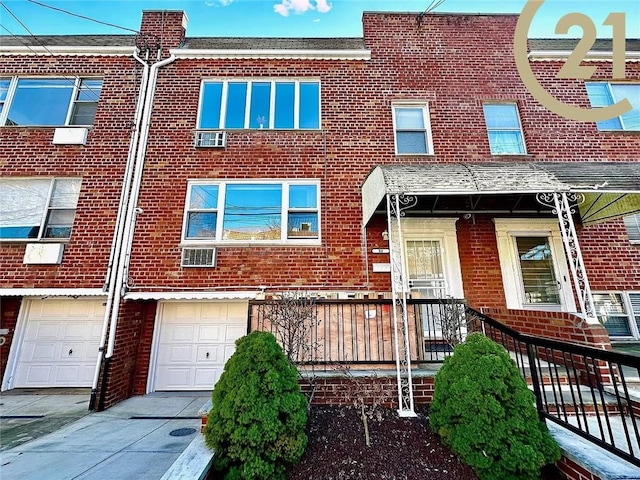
column 611, row 189
column 52, row 292
column 191, row 295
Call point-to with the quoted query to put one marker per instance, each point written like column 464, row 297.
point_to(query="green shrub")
column 256, row 426
column 483, row 410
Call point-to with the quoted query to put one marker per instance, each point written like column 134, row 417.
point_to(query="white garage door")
column 194, row 342
column 59, row 347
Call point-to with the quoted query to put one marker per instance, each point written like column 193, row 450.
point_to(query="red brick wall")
column 9, row 309
column 144, row 347
column 29, row 152
column 122, row 367
column 456, row 63
column 558, row 325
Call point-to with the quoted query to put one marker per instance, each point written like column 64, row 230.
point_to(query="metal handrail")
column 593, row 393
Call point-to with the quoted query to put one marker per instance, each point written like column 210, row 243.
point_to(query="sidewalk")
column 139, row 438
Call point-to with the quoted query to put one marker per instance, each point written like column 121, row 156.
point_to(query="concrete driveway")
column 139, row 438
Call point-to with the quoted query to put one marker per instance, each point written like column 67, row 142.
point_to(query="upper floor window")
column 602, row 94
column 412, row 129
column 632, row 222
column 273, row 104
column 49, row 101
column 252, row 211
column 39, row 208
column 504, row 129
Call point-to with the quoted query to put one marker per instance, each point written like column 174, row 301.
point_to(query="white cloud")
column 301, row 6
column 218, row 3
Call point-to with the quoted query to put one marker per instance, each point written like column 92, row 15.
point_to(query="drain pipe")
column 130, row 220
column 116, row 244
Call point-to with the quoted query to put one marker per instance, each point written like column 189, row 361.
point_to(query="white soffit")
column 52, row 292
column 239, row 295
column 274, row 54
column 100, row 51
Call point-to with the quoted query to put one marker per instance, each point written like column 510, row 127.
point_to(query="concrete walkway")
column 137, row 439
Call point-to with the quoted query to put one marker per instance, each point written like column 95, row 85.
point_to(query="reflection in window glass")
column 236, row 103
column 252, row 212
column 40, row 102
column 260, row 105
column 538, row 274
column 503, row 127
column 4, row 89
column 611, row 313
column 411, row 131
column 603, row 94
column 285, row 101
column 303, row 196
column 309, row 105
column 84, row 108
column 25, row 202
column 211, row 104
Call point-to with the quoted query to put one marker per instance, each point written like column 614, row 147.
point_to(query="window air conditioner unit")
column 199, row 257
column 211, row 139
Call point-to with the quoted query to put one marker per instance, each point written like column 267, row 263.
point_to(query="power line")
column 82, row 16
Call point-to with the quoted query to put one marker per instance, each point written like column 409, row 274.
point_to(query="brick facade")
column 453, row 62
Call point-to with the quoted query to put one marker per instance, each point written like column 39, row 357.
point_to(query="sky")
column 285, row 18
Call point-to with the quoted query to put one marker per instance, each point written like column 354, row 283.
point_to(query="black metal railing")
column 360, row 331
column 593, row 393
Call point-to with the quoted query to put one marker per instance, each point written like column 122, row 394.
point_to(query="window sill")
column 20, row 241
column 422, row 155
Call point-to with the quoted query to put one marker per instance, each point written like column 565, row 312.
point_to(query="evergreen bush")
column 256, row 426
column 483, row 410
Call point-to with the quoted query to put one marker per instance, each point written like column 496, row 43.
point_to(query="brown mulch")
column 401, row 448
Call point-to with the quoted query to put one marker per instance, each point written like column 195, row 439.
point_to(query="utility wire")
column 82, row 16
column 70, row 80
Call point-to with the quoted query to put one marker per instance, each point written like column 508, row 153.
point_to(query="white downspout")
column 133, row 201
column 114, row 257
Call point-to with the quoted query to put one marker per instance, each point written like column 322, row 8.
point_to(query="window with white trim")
column 619, row 312
column 412, row 129
column 255, row 211
column 49, row 101
column 632, row 224
column 533, row 265
column 603, row 94
column 38, row 208
column 504, row 129
column 255, row 104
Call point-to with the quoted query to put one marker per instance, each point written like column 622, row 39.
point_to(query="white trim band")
column 273, row 54
column 238, row 295
column 52, row 292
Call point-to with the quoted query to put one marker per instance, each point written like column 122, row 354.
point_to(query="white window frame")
column 424, row 106
column 507, row 230
column 613, row 100
column 76, row 81
column 632, row 317
column 42, row 228
column 632, row 225
column 284, row 214
column 272, row 101
column 519, row 129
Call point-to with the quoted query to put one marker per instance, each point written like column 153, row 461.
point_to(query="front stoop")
column 582, row 460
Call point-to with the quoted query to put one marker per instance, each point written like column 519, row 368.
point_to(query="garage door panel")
column 234, row 332
column 205, row 378
column 52, row 329
column 192, row 350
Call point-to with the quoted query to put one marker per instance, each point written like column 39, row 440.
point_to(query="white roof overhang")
column 182, row 295
column 52, row 292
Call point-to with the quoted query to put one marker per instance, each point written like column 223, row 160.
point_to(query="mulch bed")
column 401, row 448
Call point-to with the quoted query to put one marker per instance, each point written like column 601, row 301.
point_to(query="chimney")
column 161, row 30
